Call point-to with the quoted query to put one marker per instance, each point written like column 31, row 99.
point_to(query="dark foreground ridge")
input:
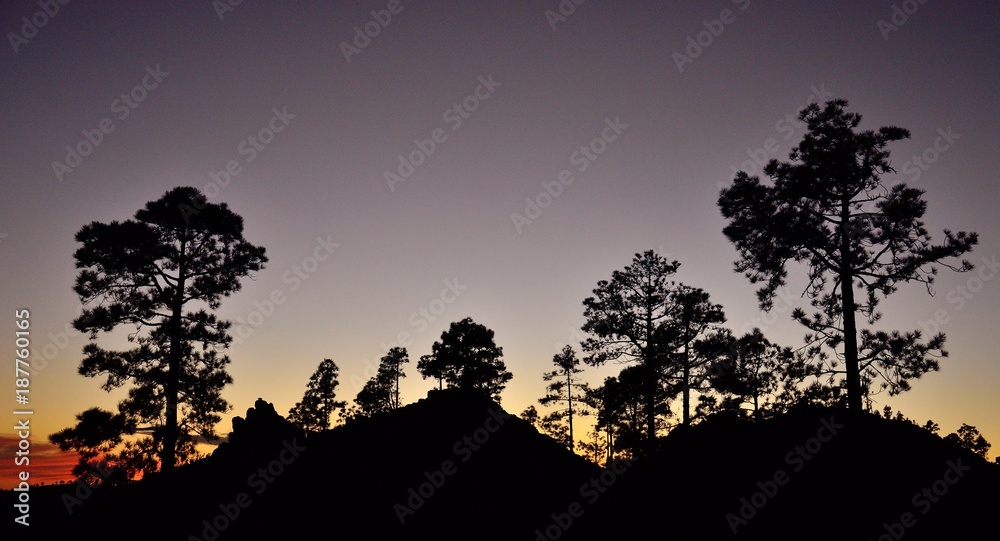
column 457, row 466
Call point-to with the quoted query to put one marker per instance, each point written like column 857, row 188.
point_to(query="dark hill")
column 812, row 474
column 451, row 466
column 463, row 469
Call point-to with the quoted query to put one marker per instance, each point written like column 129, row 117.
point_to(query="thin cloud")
column 48, row 464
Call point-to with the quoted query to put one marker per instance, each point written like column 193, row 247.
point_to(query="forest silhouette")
column 702, row 433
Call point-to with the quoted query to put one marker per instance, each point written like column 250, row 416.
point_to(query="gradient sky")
column 213, row 82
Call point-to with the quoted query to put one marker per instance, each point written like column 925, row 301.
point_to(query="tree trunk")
column 396, row 398
column 849, row 307
column 650, row 408
column 569, row 399
column 168, row 455
column 687, row 396
column 851, row 349
column 687, row 368
column 649, row 357
column 611, row 447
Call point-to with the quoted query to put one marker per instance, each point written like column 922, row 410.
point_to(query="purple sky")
column 310, row 127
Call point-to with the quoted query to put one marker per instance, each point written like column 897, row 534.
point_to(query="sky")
column 409, row 164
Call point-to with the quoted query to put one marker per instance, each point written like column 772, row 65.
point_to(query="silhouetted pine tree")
column 319, row 402
column 381, row 392
column 565, row 388
column 828, row 209
column 622, row 319
column 160, row 275
column 466, row 357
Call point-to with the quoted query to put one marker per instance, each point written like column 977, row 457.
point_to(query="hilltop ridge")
column 455, row 465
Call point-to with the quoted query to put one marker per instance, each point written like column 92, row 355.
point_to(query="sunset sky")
column 491, row 101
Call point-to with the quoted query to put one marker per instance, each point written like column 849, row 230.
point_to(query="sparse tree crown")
column 467, row 357
column 828, row 209
column 319, row 402
column 162, row 274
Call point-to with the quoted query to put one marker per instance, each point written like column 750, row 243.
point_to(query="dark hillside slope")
column 452, row 466
column 812, row 474
column 462, row 467
column 456, row 466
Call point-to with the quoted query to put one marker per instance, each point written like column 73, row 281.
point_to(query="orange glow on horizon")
column 48, row 464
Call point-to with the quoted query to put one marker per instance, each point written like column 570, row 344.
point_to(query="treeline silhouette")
column 702, row 430
column 455, row 465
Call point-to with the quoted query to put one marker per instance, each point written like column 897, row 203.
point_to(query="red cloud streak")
column 48, row 464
